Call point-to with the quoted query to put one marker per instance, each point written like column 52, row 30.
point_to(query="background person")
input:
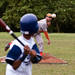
column 43, row 25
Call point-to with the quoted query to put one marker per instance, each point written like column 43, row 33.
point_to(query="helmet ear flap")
column 28, row 24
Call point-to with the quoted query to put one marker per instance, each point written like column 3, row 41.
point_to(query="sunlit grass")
column 62, row 46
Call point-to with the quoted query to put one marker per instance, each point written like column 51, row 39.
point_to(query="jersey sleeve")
column 36, row 48
column 13, row 54
column 46, row 34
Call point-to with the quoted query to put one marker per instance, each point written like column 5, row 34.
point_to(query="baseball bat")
column 7, row 29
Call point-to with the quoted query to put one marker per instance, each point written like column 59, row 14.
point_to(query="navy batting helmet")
column 28, row 24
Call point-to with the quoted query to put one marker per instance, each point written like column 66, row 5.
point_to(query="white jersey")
column 42, row 25
column 25, row 67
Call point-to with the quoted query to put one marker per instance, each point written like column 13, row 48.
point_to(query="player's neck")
column 27, row 36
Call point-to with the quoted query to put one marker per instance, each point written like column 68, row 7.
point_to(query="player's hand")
column 32, row 53
column 48, row 42
column 26, row 49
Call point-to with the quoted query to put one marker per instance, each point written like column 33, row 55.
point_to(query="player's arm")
column 46, row 34
column 21, row 58
column 38, row 57
column 18, row 62
column 15, row 57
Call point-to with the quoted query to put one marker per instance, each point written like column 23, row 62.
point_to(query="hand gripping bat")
column 7, row 29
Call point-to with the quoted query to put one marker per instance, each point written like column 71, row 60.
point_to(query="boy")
column 19, row 58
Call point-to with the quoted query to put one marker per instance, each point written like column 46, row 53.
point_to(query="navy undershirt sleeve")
column 35, row 48
column 14, row 53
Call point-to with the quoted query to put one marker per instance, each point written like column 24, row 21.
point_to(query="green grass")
column 62, row 46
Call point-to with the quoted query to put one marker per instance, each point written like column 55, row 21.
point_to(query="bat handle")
column 17, row 38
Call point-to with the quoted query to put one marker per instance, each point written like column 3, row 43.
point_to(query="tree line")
column 12, row 10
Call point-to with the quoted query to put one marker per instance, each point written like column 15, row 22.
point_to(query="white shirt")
column 25, row 67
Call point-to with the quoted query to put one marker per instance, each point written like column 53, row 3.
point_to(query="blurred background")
column 12, row 10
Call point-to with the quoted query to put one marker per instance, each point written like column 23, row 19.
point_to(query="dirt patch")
column 47, row 59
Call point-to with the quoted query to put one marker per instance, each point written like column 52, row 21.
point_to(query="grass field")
column 62, row 46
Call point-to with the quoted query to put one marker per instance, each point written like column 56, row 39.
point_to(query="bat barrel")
column 4, row 26
column 7, row 29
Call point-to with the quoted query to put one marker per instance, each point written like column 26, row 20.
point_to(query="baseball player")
column 43, row 25
column 19, row 58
